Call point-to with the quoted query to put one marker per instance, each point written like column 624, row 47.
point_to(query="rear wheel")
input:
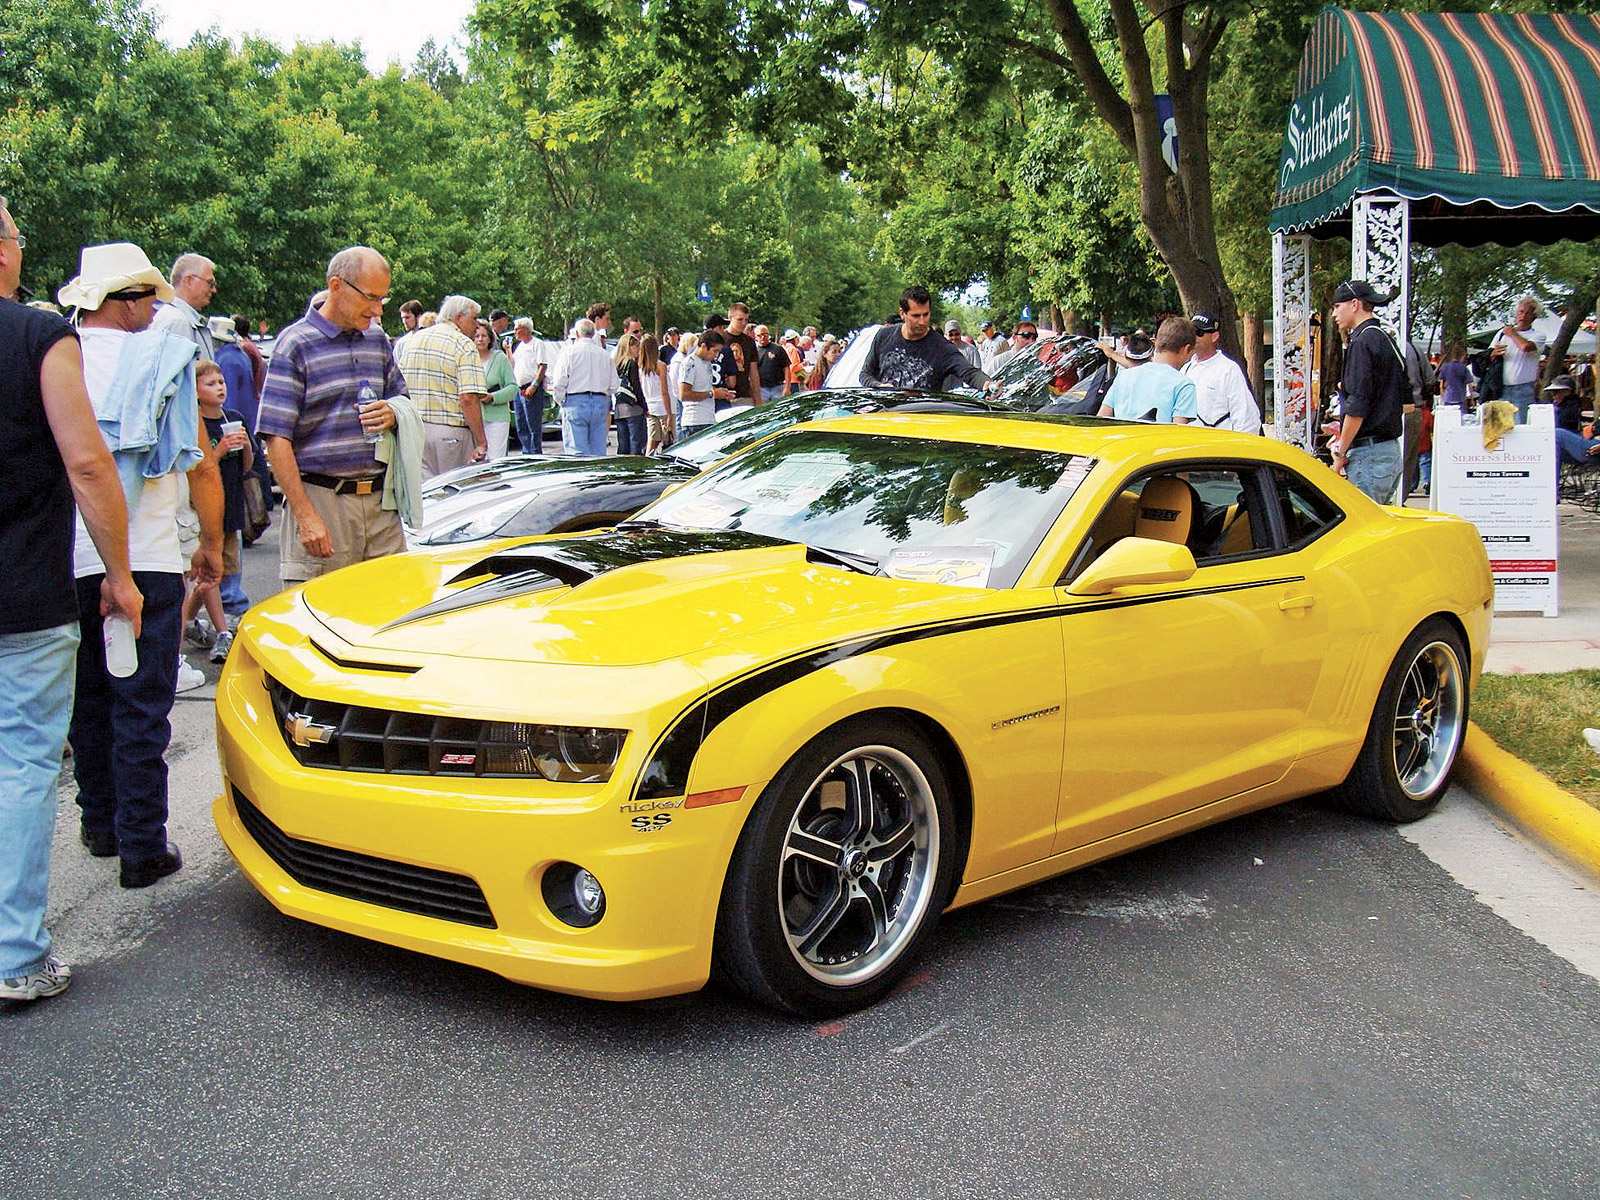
column 840, row 873
column 1416, row 730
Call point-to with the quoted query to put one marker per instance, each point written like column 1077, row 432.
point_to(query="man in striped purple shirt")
column 316, row 439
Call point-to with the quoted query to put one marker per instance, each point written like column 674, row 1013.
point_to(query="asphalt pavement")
column 1292, row 1003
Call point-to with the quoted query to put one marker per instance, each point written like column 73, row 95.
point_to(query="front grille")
column 412, row 889
column 350, row 737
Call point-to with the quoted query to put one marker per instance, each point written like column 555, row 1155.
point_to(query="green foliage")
column 538, row 182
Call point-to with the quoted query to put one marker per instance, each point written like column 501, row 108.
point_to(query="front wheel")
column 1416, row 730
column 841, row 872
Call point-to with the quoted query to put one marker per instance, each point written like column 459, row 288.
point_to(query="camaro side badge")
column 1010, row 721
column 303, row 731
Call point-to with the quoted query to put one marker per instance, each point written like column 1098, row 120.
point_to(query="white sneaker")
column 199, row 632
column 49, row 980
column 189, row 677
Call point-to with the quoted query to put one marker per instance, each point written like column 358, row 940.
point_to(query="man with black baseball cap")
column 1224, row 399
column 1366, row 450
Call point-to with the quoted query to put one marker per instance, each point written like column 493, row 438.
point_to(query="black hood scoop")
column 571, row 562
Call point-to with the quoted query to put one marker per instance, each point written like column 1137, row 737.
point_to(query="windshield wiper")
column 647, row 523
column 864, row 563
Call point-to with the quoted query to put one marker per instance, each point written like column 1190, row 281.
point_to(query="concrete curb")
column 1552, row 815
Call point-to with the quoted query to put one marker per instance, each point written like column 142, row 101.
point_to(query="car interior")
column 1214, row 510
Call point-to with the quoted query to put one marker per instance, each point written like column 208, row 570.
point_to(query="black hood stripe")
column 667, row 771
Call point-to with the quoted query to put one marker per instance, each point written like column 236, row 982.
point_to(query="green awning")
column 1488, row 121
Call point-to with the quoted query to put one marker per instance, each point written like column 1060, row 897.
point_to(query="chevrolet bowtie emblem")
column 303, row 731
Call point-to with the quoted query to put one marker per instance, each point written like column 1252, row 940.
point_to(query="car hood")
column 619, row 598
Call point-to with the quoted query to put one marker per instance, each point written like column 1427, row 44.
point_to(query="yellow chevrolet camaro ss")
column 867, row 670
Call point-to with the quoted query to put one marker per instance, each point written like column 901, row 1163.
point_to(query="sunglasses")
column 1027, row 333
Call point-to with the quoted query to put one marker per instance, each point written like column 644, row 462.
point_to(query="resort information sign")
column 1509, row 493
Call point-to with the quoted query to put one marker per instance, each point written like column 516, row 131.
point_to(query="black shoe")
column 145, row 871
column 101, row 845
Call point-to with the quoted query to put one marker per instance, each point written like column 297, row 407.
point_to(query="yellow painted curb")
column 1550, row 813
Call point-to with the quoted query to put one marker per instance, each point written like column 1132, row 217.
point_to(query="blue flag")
column 1027, row 312
column 704, row 292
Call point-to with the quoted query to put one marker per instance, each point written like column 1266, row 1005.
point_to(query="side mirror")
column 1131, row 561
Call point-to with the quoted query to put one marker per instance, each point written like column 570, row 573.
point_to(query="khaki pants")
column 359, row 526
column 445, row 447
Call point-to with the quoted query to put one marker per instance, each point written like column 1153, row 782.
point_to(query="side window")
column 1215, row 510
column 1307, row 513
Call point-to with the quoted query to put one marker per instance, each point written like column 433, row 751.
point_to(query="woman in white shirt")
column 653, row 383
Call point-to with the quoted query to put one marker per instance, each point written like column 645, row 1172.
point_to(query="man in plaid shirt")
column 446, row 379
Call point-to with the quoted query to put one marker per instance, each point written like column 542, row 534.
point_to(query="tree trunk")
column 1579, row 305
column 1255, row 357
column 1176, row 209
column 659, row 326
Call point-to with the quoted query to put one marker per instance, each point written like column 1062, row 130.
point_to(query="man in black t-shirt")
column 746, row 382
column 913, row 354
column 772, row 366
column 51, row 453
column 1366, row 450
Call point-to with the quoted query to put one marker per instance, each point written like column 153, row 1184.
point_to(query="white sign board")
column 1509, row 493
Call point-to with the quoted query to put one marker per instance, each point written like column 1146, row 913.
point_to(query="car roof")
column 1100, row 437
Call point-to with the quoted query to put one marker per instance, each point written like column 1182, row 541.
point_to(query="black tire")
column 1416, row 730
column 828, row 900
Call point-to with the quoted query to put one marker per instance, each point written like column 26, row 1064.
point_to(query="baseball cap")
column 1205, row 323
column 987, row 325
column 1561, row 381
column 716, row 321
column 952, row 325
column 1359, row 289
column 789, row 335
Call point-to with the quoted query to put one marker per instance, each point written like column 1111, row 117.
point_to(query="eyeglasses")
column 22, row 242
column 1027, row 333
column 362, row 291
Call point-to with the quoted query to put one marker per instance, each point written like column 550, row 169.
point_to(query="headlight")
column 559, row 753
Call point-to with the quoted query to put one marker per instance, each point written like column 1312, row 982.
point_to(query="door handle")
column 1297, row 603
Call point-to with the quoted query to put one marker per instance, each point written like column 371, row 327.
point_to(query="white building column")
column 1294, row 407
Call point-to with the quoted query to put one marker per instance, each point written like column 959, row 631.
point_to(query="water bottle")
column 122, row 652
column 366, row 395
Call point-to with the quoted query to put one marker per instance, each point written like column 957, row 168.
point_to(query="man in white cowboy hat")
column 51, row 453
column 141, row 382
column 194, row 282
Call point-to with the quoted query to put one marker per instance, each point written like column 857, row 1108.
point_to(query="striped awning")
column 1487, row 120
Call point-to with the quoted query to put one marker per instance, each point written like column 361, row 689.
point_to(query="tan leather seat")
column 1166, row 510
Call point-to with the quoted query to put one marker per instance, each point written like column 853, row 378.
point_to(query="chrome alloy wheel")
column 858, row 865
column 1428, row 724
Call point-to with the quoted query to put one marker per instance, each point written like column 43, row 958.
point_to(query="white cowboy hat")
column 222, row 329
column 110, row 268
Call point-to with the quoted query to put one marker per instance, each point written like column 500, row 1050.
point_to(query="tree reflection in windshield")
column 873, row 495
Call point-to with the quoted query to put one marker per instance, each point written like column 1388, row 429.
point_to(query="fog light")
column 574, row 895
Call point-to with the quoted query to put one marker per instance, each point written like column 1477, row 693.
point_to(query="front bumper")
column 452, row 836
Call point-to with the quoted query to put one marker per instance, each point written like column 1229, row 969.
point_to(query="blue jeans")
column 1574, row 447
column 1520, row 394
column 35, row 702
column 633, row 434
column 583, row 423
column 1374, row 468
column 529, row 417
column 234, row 602
column 121, row 727
column 769, row 394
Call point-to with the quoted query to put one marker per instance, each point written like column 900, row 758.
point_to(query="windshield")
column 1032, row 379
column 911, row 508
column 729, row 437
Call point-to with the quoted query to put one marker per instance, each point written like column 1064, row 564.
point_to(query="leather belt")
column 342, row 487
